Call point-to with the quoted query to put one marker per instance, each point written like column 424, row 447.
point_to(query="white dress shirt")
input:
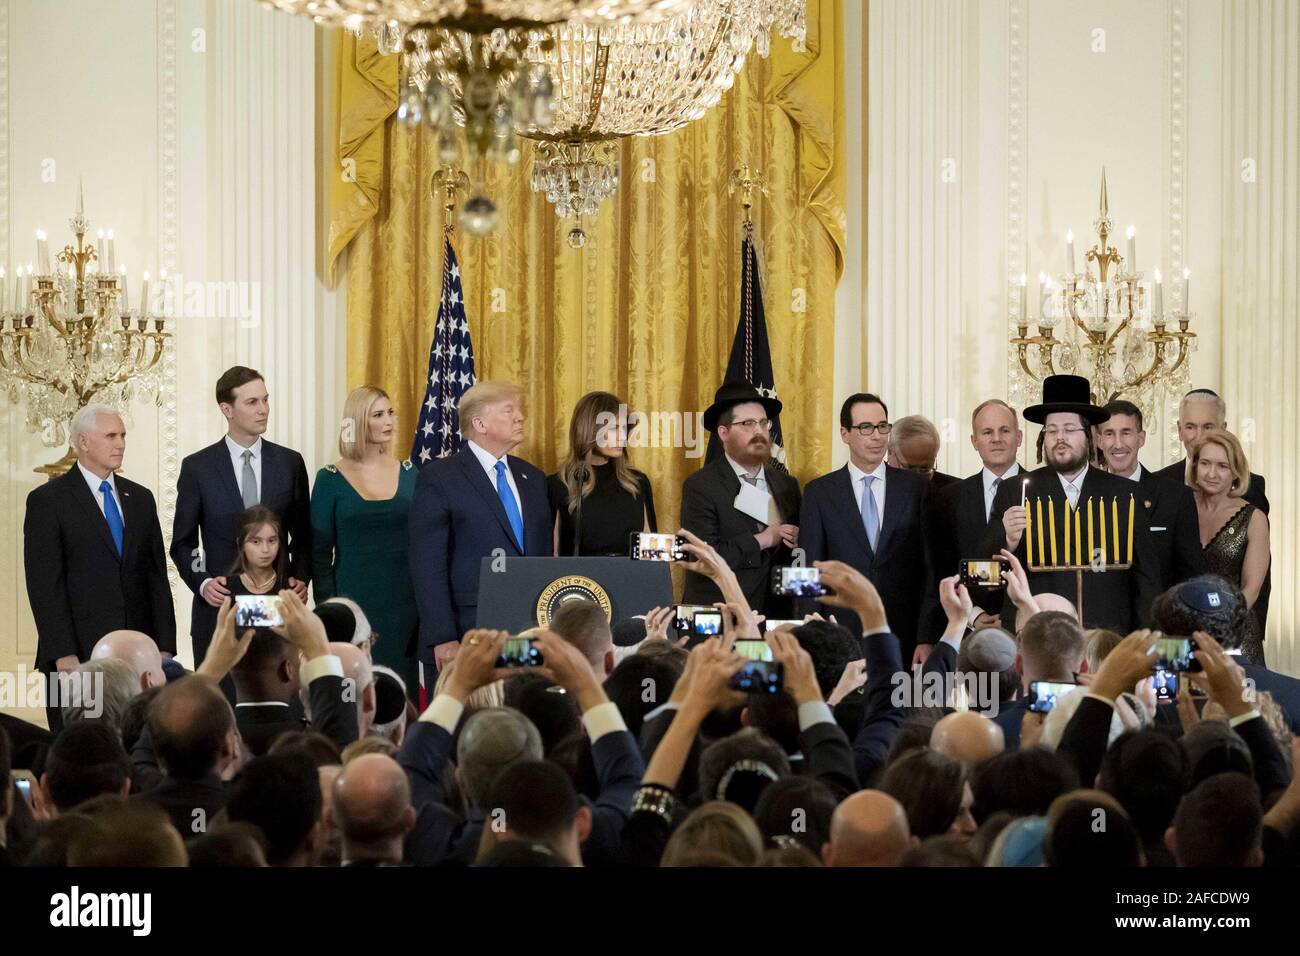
column 1077, row 481
column 1137, row 473
column 490, row 467
column 987, row 478
column 877, row 487
column 94, row 482
column 237, row 459
column 742, row 473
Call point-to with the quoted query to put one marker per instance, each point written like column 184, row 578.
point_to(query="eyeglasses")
column 1070, row 430
column 866, row 428
column 762, row 424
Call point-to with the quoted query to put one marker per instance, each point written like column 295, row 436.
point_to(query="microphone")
column 579, row 479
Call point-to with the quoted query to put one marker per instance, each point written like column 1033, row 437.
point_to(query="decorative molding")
column 1176, row 146
column 1017, row 204
column 168, row 243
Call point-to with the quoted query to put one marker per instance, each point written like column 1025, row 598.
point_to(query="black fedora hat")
column 732, row 394
column 1066, row 393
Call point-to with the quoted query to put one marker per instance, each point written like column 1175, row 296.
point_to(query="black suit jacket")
column 1175, row 531
column 1119, row 600
column 208, row 506
column 901, row 567
column 709, row 510
column 78, row 585
column 191, row 805
column 958, row 529
column 456, row 520
column 1255, row 495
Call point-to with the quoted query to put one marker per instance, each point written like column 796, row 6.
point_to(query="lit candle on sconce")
column 1043, row 294
column 1132, row 250
column 1069, row 251
column 144, row 298
column 101, row 257
column 1187, row 302
column 1021, row 311
column 1157, row 299
column 43, row 252
column 4, row 292
column 111, row 257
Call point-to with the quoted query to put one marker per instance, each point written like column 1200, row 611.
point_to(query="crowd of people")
column 912, row 722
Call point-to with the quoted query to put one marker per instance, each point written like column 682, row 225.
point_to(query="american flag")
column 451, row 369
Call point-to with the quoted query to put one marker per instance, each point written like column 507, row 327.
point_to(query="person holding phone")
column 598, row 498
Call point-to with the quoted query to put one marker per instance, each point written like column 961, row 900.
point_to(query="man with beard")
column 711, row 500
column 1116, row 599
column 1170, row 507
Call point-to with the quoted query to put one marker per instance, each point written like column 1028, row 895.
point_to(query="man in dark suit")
column 1170, row 506
column 755, row 540
column 93, row 552
column 914, row 445
column 476, row 503
column 218, row 483
column 1115, row 599
column 959, row 517
column 1200, row 411
column 873, row 517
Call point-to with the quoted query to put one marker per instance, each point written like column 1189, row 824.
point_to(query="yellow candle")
column 1078, row 539
column 1065, row 513
column 1131, row 504
column 1101, row 529
column 1051, row 527
column 1042, row 558
column 1114, row 520
column 1029, row 534
column 1089, row 530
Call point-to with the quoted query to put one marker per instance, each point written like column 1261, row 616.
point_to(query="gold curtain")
column 649, row 307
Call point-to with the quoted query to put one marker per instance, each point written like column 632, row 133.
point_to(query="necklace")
column 261, row 585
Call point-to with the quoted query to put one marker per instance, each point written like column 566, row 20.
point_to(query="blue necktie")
column 870, row 517
column 112, row 515
column 508, row 501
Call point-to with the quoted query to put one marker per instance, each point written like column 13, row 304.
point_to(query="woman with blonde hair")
column 1234, row 533
column 716, row 828
column 596, row 486
column 359, row 509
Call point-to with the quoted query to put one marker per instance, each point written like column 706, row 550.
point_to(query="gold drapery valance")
column 648, row 309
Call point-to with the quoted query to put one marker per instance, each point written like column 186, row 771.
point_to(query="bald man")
column 358, row 683
column 968, row 737
column 371, row 805
column 1047, row 601
column 868, row 829
column 136, row 649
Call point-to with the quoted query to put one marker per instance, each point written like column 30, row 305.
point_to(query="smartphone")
column 798, row 582
column 986, row 573
column 684, row 616
column 1165, row 684
column 759, row 677
column 520, row 652
column 1175, row 654
column 772, row 625
column 650, row 546
column 753, row 649
column 23, row 780
column 257, row 610
column 1043, row 694
column 706, row 624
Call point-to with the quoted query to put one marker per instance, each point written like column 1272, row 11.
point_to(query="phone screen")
column 684, row 616
column 1165, row 684
column 651, row 546
column 520, row 652
column 1043, row 694
column 981, row 573
column 257, row 610
column 707, row 623
column 798, row 582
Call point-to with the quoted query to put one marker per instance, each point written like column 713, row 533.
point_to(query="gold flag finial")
column 1105, row 204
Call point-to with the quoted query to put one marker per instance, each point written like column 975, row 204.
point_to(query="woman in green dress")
column 359, row 509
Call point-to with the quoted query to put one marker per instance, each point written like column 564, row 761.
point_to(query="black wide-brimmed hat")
column 732, row 394
column 1066, row 393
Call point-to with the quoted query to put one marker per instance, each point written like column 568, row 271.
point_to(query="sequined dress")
column 1225, row 555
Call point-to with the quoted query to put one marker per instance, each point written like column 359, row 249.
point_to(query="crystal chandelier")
column 1113, row 327
column 71, row 337
column 574, row 84
column 357, row 15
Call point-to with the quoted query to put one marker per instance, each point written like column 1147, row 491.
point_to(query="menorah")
column 1103, row 551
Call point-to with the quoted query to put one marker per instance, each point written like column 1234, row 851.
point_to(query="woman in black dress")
column 615, row 498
